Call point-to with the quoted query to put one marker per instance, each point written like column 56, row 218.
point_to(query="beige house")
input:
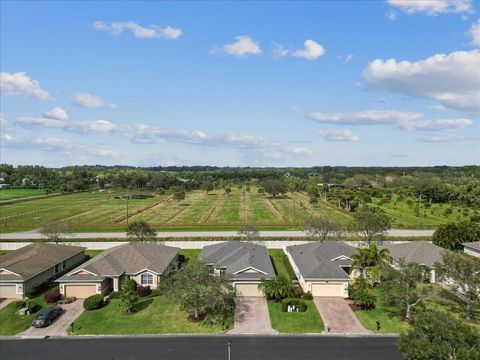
column 146, row 263
column 323, row 268
column 33, row 265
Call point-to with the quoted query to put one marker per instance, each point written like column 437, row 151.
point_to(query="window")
column 146, row 279
column 56, row 269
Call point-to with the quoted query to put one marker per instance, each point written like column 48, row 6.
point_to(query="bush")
column 114, row 295
column 308, row 296
column 157, row 292
column 298, row 303
column 52, row 296
column 129, row 285
column 298, row 292
column 365, row 299
column 143, row 291
column 93, row 302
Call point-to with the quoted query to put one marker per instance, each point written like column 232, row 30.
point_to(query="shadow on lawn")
column 142, row 305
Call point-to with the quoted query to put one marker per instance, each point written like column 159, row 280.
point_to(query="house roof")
column 128, row 258
column 421, row 252
column 239, row 257
column 322, row 260
column 472, row 245
column 36, row 258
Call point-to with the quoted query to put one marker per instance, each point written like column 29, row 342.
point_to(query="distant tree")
column 261, row 191
column 228, row 191
column 463, row 272
column 438, row 335
column 141, row 231
column 249, row 231
column 275, row 187
column 207, row 186
column 322, row 227
column 451, row 236
column 371, row 223
column 55, row 231
column 277, row 288
column 179, row 195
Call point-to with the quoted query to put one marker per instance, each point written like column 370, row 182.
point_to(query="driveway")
column 4, row 302
column 59, row 326
column 251, row 316
column 339, row 316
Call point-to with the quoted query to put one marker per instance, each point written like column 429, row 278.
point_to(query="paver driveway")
column 339, row 316
column 251, row 316
column 59, row 327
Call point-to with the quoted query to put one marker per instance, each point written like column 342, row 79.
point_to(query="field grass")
column 155, row 315
column 281, row 264
column 104, row 212
column 301, row 322
column 9, row 194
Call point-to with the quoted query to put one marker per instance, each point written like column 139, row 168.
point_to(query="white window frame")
column 146, row 283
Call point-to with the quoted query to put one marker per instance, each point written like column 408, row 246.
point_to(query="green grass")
column 156, row 315
column 9, row 194
column 281, row 264
column 11, row 324
column 306, row 322
column 92, row 253
column 190, row 253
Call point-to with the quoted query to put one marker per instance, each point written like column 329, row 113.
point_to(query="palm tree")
column 277, row 288
column 361, row 260
column 371, row 258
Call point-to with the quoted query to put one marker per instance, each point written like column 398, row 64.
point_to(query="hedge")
column 298, row 303
column 93, row 302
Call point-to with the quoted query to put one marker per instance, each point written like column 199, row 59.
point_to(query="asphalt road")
column 32, row 235
column 203, row 348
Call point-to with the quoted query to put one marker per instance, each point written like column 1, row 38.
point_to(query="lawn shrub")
column 129, row 285
column 143, row 291
column 298, row 292
column 298, row 303
column 93, row 302
column 52, row 296
column 308, row 296
column 114, row 295
column 157, row 291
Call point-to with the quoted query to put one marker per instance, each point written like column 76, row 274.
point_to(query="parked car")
column 47, row 316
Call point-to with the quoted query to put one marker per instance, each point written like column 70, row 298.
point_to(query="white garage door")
column 80, row 291
column 9, row 292
column 248, row 290
column 328, row 289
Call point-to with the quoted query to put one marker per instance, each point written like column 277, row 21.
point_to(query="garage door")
column 9, row 292
column 328, row 289
column 247, row 290
column 80, row 291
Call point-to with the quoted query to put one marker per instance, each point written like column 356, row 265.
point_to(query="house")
column 146, row 263
column 244, row 263
column 24, row 269
column 472, row 248
column 323, row 268
column 422, row 252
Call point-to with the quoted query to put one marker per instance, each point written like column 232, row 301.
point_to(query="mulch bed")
column 191, row 318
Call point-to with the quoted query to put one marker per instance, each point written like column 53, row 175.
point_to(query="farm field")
column 10, row 194
column 102, row 211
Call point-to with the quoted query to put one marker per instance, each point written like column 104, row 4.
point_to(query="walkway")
column 339, row 316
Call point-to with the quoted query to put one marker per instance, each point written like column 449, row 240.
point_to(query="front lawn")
column 301, row 322
column 156, row 315
column 281, row 264
column 11, row 324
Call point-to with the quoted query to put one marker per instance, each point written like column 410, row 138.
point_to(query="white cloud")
column 474, row 33
column 243, row 46
column 391, row 15
column 4, row 137
column 346, row 58
column 451, row 79
column 400, row 119
column 56, row 114
column 432, row 7
column 29, row 122
column 448, row 138
column 90, row 101
column 312, row 51
column 140, row 32
column 20, row 84
column 339, row 135
column 382, row 100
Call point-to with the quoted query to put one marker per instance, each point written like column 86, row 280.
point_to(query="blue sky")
column 390, row 83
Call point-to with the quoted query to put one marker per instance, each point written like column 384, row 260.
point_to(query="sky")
column 374, row 83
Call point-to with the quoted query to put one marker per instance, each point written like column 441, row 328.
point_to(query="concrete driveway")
column 60, row 325
column 251, row 316
column 339, row 316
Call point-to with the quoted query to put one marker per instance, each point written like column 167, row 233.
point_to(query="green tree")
column 129, row 300
column 249, row 231
column 179, row 195
column 207, row 186
column 322, row 227
column 463, row 272
column 141, row 231
column 55, row 231
column 451, row 236
column 369, row 260
column 371, row 223
column 275, row 187
column 438, row 335
column 277, row 288
column 228, row 190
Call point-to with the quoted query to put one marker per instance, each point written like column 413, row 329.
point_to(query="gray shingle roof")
column 36, row 258
column 472, row 245
column 127, row 258
column 239, row 255
column 421, row 252
column 316, row 260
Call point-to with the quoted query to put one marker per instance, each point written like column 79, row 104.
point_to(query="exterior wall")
column 471, row 252
column 138, row 278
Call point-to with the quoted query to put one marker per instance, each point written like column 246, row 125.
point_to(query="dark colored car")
column 47, row 316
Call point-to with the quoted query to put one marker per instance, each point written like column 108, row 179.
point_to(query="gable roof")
column 128, row 258
column 472, row 245
column 36, row 258
column 322, row 260
column 238, row 256
column 421, row 252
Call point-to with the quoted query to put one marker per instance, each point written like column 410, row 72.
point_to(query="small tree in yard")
column 371, row 258
column 371, row 223
column 277, row 288
column 129, row 300
column 249, row 231
column 55, row 231
column 401, row 288
column 463, row 273
column 438, row 335
column 141, row 231
column 322, row 228
column 198, row 291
